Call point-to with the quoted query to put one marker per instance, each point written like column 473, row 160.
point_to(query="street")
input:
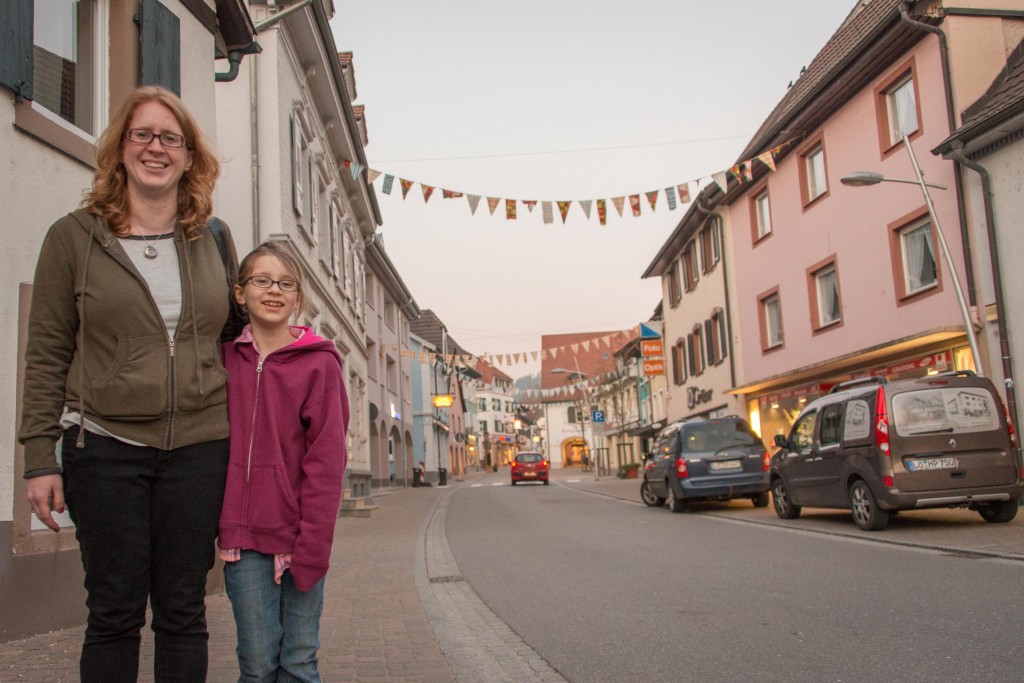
column 609, row 590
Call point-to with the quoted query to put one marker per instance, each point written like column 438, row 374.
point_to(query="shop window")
column 760, row 215
column 675, row 291
column 678, row 363
column 770, row 317
column 813, row 175
column 690, row 276
column 897, row 107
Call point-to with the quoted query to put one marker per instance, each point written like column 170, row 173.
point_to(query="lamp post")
column 862, row 178
column 586, row 397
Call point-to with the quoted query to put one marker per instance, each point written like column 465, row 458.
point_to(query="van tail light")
column 881, row 423
column 766, row 462
column 681, row 471
column 1009, row 423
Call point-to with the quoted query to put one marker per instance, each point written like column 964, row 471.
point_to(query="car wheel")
column 674, row 504
column 513, row 483
column 866, row 513
column 784, row 507
column 545, row 482
column 648, row 497
column 760, row 500
column 1000, row 512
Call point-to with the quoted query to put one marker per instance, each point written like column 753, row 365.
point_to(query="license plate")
column 726, row 465
column 931, row 464
column 529, row 474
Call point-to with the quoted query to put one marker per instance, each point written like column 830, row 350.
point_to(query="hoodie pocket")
column 271, row 503
column 200, row 381
column 134, row 387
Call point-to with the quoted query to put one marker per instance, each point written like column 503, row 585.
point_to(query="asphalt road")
column 609, row 590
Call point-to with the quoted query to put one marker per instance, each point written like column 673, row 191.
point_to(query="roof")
column 586, row 351
column 691, row 221
column 488, row 373
column 431, row 328
column 1003, row 100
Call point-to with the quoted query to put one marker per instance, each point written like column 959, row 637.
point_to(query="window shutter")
column 16, row 46
column 160, row 47
column 709, row 342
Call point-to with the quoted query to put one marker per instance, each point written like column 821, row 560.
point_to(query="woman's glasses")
column 264, row 282
column 143, row 137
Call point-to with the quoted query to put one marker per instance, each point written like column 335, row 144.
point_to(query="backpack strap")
column 217, row 230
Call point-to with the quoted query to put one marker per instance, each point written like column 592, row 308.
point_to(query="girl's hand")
column 45, row 495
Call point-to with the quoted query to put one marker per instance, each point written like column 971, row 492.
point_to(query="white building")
column 495, row 415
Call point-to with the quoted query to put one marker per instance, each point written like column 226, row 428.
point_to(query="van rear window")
column 948, row 410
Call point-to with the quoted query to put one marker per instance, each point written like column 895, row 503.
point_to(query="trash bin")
column 417, row 477
column 442, row 477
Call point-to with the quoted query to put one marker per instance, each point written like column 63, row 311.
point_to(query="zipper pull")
column 259, row 366
column 171, row 342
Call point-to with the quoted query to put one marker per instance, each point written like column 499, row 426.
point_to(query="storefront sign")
column 652, row 348
column 654, row 367
column 696, row 396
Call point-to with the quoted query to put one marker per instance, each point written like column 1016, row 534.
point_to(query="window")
column 483, row 404
column 675, row 292
column 801, row 439
column 312, row 179
column 679, row 363
column 508, row 406
column 499, row 426
column 917, row 252
column 831, row 419
column 389, row 312
column 714, row 332
column 897, row 106
column 300, row 150
column 823, row 293
column 770, row 318
column 576, row 415
column 392, row 375
column 709, row 248
column 483, row 424
column 760, row 216
column 695, row 350
column 813, row 171
column 65, row 62
column 690, row 266
column 324, row 222
column 496, row 404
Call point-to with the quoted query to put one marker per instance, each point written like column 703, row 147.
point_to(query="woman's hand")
column 45, row 495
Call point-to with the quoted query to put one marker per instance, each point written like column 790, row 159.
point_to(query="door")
column 797, row 468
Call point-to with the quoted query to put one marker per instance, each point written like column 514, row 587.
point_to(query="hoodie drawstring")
column 195, row 325
column 80, row 441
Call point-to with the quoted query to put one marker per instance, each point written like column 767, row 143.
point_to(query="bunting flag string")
column 675, row 195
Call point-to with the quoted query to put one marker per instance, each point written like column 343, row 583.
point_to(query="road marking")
column 498, row 484
column 572, row 481
column 475, row 486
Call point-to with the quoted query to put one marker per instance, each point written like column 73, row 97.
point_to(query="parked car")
column 713, row 459
column 530, row 466
column 878, row 447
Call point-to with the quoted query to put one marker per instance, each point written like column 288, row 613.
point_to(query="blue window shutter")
column 161, row 47
column 16, row 46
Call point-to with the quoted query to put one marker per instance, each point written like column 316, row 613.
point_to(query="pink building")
column 831, row 282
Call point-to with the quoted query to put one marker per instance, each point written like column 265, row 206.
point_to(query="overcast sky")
column 558, row 100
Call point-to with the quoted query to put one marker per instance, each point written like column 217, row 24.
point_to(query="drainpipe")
column 958, row 174
column 997, row 277
column 254, row 151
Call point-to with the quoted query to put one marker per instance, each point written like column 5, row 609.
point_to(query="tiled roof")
column 843, row 44
column 431, row 328
column 488, row 372
column 593, row 355
column 1005, row 96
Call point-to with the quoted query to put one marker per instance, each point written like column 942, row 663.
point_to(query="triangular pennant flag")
column 768, row 159
column 602, row 212
column 474, row 200
column 721, row 180
column 684, row 193
column 554, row 351
column 546, row 210
column 515, row 357
column 406, row 186
column 543, row 354
column 585, row 204
column 346, row 163
column 670, row 197
column 575, row 348
column 748, row 170
column 634, row 203
column 618, row 203
column 371, row 175
column 510, row 210
column 530, row 203
column 356, row 170
column 735, row 171
column 427, row 191
column 508, row 359
column 389, row 180
column 533, row 355
column 586, row 345
column 563, row 208
column 447, row 194
column 492, row 203
column 652, row 198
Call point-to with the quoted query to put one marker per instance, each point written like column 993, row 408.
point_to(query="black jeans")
column 146, row 521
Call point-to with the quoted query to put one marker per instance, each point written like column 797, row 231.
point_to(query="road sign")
column 650, row 330
column 652, row 348
column 597, row 416
column 654, row 367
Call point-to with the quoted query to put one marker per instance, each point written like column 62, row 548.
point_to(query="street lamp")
column 586, row 397
column 863, row 178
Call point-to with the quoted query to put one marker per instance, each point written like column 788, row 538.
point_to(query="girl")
column 289, row 413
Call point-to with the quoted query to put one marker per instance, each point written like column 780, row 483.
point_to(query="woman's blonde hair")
column 108, row 197
column 284, row 253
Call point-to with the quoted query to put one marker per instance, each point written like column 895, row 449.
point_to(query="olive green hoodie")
column 98, row 345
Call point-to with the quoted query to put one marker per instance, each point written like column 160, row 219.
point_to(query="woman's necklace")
column 150, row 251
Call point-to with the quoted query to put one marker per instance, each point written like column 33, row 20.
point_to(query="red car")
column 530, row 466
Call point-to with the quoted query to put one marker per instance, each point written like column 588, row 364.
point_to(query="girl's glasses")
column 143, row 137
column 264, row 282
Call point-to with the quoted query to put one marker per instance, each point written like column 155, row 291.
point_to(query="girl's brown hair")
column 284, row 253
column 108, row 197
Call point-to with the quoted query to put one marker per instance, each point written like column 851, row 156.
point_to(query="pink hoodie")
column 288, row 415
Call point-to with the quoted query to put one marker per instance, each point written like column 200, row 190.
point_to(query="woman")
column 123, row 368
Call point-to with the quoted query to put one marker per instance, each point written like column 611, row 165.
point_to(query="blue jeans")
column 278, row 625
column 146, row 520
